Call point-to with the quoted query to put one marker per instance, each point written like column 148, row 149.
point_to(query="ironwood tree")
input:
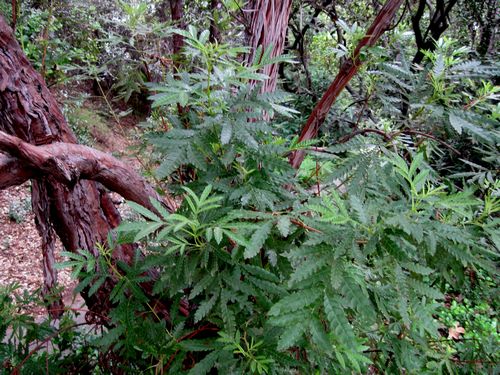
column 69, row 195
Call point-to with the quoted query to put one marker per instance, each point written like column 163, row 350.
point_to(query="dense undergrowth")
column 377, row 256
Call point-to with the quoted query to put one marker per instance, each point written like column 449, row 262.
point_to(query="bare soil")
column 20, row 244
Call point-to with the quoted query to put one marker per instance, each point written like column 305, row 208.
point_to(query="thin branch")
column 430, row 136
column 387, row 136
column 390, row 136
column 415, row 20
column 299, row 36
column 301, row 224
column 18, row 368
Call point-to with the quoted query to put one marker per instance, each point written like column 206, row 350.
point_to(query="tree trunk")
column 177, row 13
column 15, row 11
column 348, row 69
column 488, row 28
column 438, row 23
column 437, row 26
column 268, row 27
column 81, row 213
column 215, row 36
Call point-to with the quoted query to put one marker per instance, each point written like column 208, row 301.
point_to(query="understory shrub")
column 343, row 267
column 276, row 275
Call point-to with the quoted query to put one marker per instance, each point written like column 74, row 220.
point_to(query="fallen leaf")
column 456, row 332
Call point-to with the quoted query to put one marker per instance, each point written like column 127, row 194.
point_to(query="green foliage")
column 451, row 98
column 6, row 10
column 346, row 266
column 353, row 277
column 478, row 339
column 469, row 322
column 24, row 340
column 370, row 262
column 42, row 34
column 257, row 364
column 224, row 125
column 88, row 125
column 19, row 209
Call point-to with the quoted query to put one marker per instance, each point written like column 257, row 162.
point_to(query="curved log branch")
column 13, row 172
column 69, row 163
column 65, row 201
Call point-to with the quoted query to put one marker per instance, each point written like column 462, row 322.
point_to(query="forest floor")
column 20, row 243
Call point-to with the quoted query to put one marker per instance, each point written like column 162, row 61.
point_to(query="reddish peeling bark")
column 14, row 14
column 348, row 70
column 80, row 213
column 69, row 163
column 13, row 172
column 268, row 27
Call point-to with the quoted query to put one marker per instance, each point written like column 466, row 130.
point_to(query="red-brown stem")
column 14, row 15
column 347, row 71
column 17, row 370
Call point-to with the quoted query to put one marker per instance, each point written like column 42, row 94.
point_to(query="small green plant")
column 19, row 209
column 470, row 324
column 248, row 349
column 28, row 345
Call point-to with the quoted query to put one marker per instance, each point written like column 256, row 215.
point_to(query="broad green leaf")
column 143, row 211
column 295, row 301
column 319, row 336
column 150, row 228
column 159, row 207
column 291, row 335
column 338, row 322
column 226, row 133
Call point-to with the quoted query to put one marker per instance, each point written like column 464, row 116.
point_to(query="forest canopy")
column 311, row 186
